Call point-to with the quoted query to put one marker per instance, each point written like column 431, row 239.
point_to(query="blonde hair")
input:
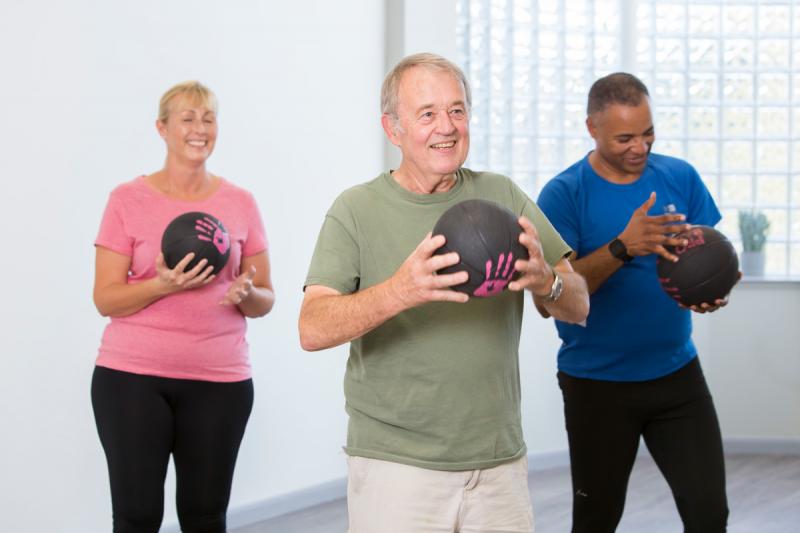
column 195, row 91
column 391, row 85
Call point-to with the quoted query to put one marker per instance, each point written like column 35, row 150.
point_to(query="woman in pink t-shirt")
column 173, row 375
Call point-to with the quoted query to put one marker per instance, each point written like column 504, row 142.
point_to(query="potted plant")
column 753, row 226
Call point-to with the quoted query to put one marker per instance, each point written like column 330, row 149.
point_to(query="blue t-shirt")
column 634, row 331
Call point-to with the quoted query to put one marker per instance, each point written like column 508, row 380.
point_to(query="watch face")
column 618, row 250
column 558, row 285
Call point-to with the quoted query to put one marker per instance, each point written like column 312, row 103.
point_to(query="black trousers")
column 676, row 417
column 141, row 420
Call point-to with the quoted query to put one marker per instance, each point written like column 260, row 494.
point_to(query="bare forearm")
column 573, row 304
column 597, row 267
column 331, row 320
column 258, row 303
column 123, row 299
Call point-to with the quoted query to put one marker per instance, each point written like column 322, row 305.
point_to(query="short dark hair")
column 616, row 88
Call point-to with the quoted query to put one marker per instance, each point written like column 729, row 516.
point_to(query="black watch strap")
column 618, row 250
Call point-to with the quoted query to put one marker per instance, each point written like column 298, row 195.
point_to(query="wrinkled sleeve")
column 702, row 208
column 336, row 259
column 113, row 234
column 256, row 241
column 558, row 206
column 553, row 245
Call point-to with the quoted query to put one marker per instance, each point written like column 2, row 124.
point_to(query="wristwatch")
column 618, row 250
column 555, row 288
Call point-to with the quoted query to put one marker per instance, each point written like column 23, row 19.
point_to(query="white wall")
column 298, row 88
column 750, row 352
column 414, row 26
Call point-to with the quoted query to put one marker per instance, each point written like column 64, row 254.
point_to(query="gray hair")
column 391, row 85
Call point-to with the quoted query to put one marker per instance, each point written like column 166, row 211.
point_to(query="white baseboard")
column 252, row 513
column 546, row 460
column 751, row 445
column 763, row 446
column 288, row 503
column 245, row 515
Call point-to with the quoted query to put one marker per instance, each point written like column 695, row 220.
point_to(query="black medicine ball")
column 200, row 233
column 486, row 237
column 706, row 271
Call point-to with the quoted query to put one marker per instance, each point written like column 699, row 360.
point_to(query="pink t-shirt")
column 189, row 334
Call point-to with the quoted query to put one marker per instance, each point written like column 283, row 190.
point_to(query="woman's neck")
column 184, row 182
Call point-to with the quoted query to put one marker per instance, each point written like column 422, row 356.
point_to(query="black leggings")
column 141, row 420
column 676, row 417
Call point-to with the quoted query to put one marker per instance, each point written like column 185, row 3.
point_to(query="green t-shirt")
column 436, row 386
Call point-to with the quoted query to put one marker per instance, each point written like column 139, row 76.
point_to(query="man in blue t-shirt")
column 631, row 370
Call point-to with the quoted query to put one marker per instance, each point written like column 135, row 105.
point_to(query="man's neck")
column 609, row 173
column 419, row 183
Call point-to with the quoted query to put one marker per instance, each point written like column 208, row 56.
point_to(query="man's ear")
column 389, row 124
column 591, row 126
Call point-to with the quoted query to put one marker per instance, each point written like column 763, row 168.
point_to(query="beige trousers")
column 387, row 497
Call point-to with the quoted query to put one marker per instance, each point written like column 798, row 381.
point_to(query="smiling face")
column 190, row 130
column 431, row 127
column 624, row 136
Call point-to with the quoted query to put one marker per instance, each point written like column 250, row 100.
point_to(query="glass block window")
column 724, row 78
column 531, row 65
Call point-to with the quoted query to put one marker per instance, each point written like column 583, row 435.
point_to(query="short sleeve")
column 256, row 241
column 553, row 245
column 336, row 259
column 702, row 208
column 558, row 206
column 112, row 233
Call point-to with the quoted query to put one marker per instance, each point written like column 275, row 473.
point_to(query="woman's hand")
column 177, row 279
column 115, row 297
column 241, row 288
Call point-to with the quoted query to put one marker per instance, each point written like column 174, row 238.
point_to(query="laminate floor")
column 763, row 495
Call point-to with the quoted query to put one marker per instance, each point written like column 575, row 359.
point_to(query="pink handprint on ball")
column 208, row 230
column 495, row 284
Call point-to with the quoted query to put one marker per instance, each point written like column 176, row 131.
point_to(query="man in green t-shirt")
column 432, row 382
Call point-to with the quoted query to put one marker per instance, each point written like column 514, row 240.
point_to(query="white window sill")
column 770, row 278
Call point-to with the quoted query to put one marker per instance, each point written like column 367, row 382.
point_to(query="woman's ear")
column 161, row 128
